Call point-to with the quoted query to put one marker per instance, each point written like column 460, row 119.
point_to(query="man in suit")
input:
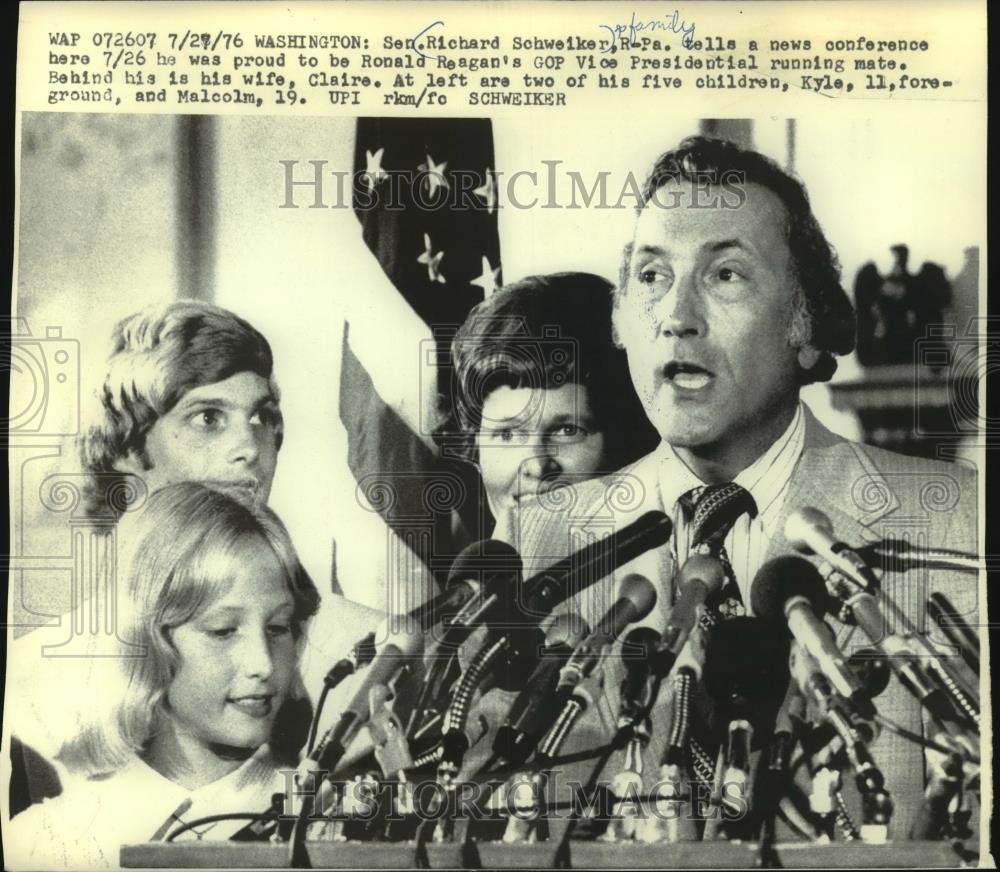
column 729, row 302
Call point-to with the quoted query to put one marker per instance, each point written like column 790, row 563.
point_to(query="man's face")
column 534, row 439
column 705, row 317
column 224, row 435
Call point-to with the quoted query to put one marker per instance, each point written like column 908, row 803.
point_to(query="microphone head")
column 702, row 569
column 483, row 561
column 872, row 669
column 638, row 590
column 639, row 647
column 782, row 578
column 643, row 640
column 568, row 628
column 746, row 671
column 802, row 523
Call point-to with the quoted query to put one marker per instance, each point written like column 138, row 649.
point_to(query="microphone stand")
column 897, row 555
column 936, row 688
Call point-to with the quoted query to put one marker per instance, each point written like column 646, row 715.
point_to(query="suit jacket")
column 868, row 493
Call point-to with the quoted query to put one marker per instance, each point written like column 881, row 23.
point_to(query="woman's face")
column 535, row 439
column 237, row 660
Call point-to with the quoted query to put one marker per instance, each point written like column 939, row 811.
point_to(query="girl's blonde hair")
column 176, row 555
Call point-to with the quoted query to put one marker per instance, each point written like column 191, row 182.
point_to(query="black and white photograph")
column 507, row 478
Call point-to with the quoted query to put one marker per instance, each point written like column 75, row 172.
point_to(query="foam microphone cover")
column 640, row 592
column 746, row 672
column 782, row 578
column 485, row 560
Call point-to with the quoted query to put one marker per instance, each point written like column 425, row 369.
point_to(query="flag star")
column 373, row 171
column 432, row 260
column 435, row 174
column 488, row 192
column 489, row 279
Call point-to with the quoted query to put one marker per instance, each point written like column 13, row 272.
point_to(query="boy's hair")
column 177, row 554
column 544, row 332
column 157, row 356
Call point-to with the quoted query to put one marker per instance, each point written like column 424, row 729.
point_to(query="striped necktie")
column 712, row 510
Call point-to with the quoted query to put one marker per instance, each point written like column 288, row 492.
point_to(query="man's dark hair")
column 827, row 310
column 545, row 332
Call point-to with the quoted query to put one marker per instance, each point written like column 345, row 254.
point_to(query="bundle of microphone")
column 723, row 728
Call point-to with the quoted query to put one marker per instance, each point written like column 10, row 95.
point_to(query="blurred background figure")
column 895, row 310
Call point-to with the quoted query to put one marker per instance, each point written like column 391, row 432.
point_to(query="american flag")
column 424, row 192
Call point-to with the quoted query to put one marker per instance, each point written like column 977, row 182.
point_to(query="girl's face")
column 237, row 661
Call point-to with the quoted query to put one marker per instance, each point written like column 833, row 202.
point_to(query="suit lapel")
column 839, row 480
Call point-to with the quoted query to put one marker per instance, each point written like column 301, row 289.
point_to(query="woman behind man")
column 214, row 603
column 544, row 397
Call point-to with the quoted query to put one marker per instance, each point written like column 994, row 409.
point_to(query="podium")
column 581, row 854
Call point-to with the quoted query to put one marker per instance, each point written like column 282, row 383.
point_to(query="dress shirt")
column 767, row 479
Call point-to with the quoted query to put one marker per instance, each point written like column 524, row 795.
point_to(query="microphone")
column 546, row 589
column 744, row 673
column 679, row 826
column 775, row 775
column 643, row 675
column 360, row 655
column 483, row 579
column 701, row 577
column 791, row 713
column 931, row 685
column 809, row 531
column 636, row 598
column 898, row 555
column 490, row 568
column 959, row 633
column 855, row 729
column 791, row 586
column 537, row 706
column 392, row 655
column 580, row 681
column 684, row 677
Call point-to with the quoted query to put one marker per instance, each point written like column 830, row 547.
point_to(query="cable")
column 843, row 818
column 561, row 858
column 458, row 712
column 216, row 818
column 431, row 756
column 420, row 858
column 969, row 709
column 314, row 726
column 916, row 738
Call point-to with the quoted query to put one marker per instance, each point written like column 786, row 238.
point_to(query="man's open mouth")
column 686, row 375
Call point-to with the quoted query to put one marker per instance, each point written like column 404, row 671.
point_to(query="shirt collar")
column 258, row 769
column 766, row 478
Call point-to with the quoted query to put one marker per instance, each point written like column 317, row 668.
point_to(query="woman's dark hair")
column 545, row 332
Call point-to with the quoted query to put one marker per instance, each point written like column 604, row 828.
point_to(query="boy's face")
column 224, row 435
